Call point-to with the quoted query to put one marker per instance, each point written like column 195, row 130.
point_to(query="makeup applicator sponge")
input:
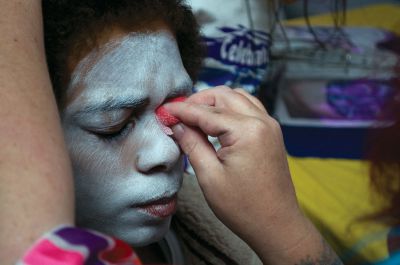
column 165, row 118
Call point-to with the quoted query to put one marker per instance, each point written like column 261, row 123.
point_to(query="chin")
column 137, row 234
column 144, row 235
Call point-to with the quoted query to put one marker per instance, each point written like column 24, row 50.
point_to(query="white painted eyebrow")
column 113, row 104
column 131, row 103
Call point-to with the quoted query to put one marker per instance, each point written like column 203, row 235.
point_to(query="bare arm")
column 35, row 177
column 247, row 182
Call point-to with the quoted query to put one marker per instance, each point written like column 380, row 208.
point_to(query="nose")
column 158, row 152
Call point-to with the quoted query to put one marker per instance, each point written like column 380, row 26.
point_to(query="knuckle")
column 223, row 88
column 217, row 110
column 260, row 128
column 257, row 101
column 274, row 125
column 240, row 90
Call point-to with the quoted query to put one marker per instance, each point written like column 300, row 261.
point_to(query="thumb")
column 200, row 152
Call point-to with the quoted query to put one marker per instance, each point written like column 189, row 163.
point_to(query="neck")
column 151, row 254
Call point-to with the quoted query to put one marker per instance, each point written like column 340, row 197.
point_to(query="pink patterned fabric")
column 47, row 253
column 75, row 246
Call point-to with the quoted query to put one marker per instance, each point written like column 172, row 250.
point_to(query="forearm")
column 298, row 244
column 35, row 176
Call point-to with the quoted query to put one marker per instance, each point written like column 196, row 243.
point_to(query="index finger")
column 211, row 120
column 227, row 98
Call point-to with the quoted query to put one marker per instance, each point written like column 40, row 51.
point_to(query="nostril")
column 157, row 169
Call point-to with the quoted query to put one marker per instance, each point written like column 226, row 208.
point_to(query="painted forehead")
column 139, row 61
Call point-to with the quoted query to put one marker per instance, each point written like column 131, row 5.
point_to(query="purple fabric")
column 359, row 99
column 93, row 242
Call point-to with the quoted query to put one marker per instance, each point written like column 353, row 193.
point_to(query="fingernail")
column 178, row 131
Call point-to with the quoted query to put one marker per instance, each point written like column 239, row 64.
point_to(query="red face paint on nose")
column 165, row 118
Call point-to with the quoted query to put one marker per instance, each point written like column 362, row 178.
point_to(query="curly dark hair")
column 73, row 27
column 384, row 156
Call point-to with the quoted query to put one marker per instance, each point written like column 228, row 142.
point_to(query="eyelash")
column 118, row 135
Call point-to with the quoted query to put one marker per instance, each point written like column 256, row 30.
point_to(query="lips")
column 162, row 208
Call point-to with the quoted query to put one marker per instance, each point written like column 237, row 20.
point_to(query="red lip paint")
column 161, row 208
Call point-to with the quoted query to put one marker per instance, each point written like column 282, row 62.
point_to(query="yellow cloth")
column 334, row 193
column 385, row 16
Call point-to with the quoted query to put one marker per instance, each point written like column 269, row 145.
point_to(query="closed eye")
column 114, row 134
column 117, row 131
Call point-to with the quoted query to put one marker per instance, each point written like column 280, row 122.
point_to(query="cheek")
column 91, row 156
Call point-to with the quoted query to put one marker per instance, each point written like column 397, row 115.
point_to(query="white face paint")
column 121, row 157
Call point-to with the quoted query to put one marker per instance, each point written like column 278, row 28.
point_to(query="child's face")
column 127, row 170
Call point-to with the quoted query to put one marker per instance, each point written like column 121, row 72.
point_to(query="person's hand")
column 247, row 181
